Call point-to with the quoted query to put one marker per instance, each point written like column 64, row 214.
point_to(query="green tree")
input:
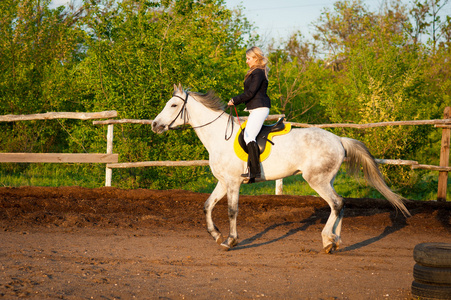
column 37, row 48
column 297, row 79
column 136, row 51
column 380, row 75
column 435, row 33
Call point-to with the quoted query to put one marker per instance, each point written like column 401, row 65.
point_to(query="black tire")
column 429, row 291
column 433, row 254
column 440, row 276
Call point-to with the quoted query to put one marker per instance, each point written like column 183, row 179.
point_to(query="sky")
column 279, row 19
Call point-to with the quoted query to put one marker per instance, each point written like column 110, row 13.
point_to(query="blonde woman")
column 257, row 103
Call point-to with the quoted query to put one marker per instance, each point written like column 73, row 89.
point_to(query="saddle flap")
column 266, row 136
column 262, row 137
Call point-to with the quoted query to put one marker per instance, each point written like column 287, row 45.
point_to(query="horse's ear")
column 175, row 88
column 180, row 87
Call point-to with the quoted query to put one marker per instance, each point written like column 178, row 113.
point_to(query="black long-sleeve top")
column 255, row 87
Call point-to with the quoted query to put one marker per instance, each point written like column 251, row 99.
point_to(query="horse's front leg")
column 233, row 192
column 217, row 194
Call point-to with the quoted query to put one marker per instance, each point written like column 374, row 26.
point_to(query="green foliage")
column 297, row 81
column 37, row 47
column 379, row 75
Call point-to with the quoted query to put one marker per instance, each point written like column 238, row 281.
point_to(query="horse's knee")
column 232, row 213
column 208, row 206
column 338, row 205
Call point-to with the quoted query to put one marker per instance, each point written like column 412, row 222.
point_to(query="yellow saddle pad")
column 243, row 155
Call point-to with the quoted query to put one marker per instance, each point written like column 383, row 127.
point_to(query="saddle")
column 264, row 139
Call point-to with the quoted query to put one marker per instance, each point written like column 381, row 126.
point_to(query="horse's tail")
column 358, row 155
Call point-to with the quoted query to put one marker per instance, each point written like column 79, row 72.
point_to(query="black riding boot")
column 253, row 162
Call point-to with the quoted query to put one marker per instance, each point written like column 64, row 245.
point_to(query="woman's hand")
column 230, row 103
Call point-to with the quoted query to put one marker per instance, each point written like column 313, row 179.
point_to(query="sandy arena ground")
column 107, row 243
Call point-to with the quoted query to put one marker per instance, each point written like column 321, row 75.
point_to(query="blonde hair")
column 262, row 61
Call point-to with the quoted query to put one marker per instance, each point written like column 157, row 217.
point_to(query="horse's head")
column 173, row 114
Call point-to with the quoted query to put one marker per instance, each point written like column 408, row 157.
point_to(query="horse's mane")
column 210, row 100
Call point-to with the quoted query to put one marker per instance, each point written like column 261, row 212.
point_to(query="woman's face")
column 251, row 60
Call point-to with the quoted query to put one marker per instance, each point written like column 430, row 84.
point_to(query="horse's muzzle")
column 158, row 128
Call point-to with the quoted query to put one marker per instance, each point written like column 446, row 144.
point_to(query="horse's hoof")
column 219, row 239
column 228, row 244
column 224, row 247
column 330, row 248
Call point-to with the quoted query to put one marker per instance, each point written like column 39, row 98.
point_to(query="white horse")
column 316, row 153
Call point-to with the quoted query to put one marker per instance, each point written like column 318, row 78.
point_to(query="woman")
column 257, row 103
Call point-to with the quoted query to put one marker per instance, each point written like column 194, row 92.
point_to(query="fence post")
column 279, row 187
column 444, row 159
column 109, row 150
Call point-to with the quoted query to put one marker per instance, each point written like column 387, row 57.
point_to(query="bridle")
column 183, row 115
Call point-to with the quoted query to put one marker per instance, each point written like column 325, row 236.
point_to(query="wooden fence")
column 59, row 157
column 112, row 159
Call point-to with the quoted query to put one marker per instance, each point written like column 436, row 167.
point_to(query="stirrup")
column 248, row 175
column 249, row 180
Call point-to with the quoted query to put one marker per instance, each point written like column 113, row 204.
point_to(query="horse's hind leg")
column 331, row 233
column 233, row 192
column 217, row 194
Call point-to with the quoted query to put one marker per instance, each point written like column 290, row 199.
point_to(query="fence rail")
column 149, row 122
column 438, row 123
column 162, row 163
column 60, row 115
column 191, row 163
column 59, row 158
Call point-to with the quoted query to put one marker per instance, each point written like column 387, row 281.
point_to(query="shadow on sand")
column 398, row 222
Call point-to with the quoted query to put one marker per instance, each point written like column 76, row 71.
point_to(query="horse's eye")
column 174, row 105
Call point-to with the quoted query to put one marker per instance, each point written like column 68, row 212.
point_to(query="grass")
column 54, row 175
column 293, row 185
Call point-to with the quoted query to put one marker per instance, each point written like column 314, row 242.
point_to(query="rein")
column 182, row 113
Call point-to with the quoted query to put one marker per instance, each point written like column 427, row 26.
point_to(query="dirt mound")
column 116, row 208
